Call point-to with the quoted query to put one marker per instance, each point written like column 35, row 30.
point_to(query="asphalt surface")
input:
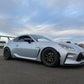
column 18, row 71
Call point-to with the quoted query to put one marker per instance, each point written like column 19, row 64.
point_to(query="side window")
column 15, row 40
column 21, row 39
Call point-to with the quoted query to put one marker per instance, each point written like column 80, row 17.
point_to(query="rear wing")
column 8, row 37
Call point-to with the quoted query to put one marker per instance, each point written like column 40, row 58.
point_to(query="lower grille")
column 80, row 57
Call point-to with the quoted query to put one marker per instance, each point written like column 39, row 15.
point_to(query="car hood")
column 76, row 47
column 57, row 44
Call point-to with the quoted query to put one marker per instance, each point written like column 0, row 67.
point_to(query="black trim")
column 73, row 64
column 80, row 57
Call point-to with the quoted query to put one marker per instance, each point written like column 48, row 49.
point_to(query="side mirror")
column 28, row 40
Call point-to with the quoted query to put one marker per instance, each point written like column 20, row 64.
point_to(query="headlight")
column 67, row 47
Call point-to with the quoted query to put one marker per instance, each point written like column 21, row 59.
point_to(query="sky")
column 60, row 20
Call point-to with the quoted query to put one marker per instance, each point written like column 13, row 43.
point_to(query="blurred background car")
column 2, row 43
column 81, row 45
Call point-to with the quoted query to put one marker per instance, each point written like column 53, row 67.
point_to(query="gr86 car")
column 42, row 49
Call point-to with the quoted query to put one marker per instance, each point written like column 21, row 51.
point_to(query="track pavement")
column 18, row 71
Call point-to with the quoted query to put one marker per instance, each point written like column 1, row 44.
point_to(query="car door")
column 26, row 49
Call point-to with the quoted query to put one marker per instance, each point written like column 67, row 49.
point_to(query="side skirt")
column 17, row 56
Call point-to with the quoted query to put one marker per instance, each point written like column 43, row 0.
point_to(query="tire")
column 50, row 57
column 7, row 54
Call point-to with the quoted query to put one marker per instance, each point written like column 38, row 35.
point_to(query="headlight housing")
column 67, row 47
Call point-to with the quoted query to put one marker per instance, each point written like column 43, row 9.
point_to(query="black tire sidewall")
column 9, row 54
column 56, row 61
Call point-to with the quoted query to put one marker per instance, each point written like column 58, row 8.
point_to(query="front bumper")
column 74, row 59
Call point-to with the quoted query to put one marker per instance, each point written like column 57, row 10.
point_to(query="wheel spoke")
column 49, row 57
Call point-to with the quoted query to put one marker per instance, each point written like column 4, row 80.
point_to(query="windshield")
column 40, row 38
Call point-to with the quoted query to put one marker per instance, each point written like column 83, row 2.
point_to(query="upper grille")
column 80, row 57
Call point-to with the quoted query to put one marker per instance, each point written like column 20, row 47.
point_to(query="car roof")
column 30, row 35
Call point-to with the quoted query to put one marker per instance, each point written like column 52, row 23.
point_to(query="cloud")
column 62, row 39
column 50, row 30
column 58, row 19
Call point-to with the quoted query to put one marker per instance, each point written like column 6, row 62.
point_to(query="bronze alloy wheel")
column 50, row 57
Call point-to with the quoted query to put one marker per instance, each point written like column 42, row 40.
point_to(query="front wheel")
column 50, row 57
column 7, row 54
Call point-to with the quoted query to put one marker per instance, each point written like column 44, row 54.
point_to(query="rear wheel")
column 50, row 57
column 7, row 54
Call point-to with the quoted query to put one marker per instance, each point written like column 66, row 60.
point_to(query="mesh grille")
column 80, row 57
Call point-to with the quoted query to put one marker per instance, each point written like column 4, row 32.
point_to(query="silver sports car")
column 42, row 49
